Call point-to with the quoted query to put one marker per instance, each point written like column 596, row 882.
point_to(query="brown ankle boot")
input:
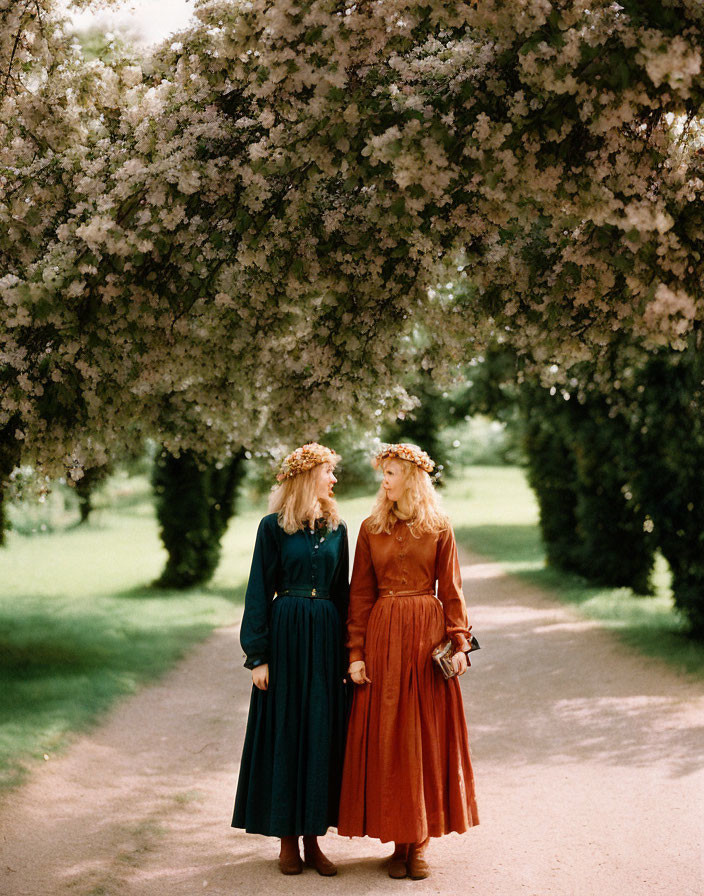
column 417, row 866
column 314, row 858
column 397, row 862
column 289, row 857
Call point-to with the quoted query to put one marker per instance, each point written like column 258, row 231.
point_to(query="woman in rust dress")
column 407, row 774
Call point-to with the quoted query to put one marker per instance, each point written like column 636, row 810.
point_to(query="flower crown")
column 305, row 458
column 404, row 451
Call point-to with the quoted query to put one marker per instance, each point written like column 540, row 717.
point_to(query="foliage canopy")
column 237, row 236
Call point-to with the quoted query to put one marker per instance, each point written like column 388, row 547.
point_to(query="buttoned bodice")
column 308, row 559
column 306, row 562
column 403, row 561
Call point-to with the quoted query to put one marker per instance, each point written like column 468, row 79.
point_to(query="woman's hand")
column 459, row 662
column 260, row 677
column 358, row 671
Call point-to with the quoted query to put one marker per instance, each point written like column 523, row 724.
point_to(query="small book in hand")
column 443, row 653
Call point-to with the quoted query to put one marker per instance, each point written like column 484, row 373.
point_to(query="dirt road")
column 589, row 762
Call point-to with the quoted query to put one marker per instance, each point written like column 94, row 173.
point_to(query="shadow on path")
column 588, row 762
column 594, row 699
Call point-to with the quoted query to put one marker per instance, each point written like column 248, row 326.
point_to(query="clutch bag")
column 442, row 655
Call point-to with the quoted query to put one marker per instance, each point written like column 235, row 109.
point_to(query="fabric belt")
column 423, row 591
column 312, row 593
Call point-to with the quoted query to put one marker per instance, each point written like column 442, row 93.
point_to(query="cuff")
column 461, row 642
column 356, row 654
column 253, row 661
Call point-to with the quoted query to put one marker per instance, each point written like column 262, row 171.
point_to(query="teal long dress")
column 294, row 619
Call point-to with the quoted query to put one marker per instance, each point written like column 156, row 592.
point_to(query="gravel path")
column 588, row 761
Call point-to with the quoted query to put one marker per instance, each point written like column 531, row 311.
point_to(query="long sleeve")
column 447, row 571
column 363, row 593
column 340, row 583
column 254, row 632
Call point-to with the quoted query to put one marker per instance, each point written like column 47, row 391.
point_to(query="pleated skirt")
column 291, row 769
column 407, row 772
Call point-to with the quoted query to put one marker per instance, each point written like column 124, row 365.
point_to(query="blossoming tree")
column 237, row 237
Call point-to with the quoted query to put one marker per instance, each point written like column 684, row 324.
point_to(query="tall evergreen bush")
column 617, row 468
column 195, row 499
column 589, row 521
column 552, row 476
column 666, row 453
column 615, row 547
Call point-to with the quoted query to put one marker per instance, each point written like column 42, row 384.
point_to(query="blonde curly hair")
column 295, row 500
column 427, row 514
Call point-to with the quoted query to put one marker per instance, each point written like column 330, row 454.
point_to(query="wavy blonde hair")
column 295, row 500
column 427, row 514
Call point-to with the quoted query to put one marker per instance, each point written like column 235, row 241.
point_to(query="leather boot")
column 397, row 862
column 417, row 866
column 314, row 858
column 289, row 857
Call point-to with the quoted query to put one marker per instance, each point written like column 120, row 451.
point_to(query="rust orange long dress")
column 407, row 772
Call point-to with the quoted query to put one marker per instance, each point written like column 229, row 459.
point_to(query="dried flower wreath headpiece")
column 404, row 451
column 305, row 458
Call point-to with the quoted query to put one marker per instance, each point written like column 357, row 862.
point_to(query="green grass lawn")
column 80, row 626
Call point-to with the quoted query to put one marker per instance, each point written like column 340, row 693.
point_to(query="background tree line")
column 616, row 471
column 616, row 474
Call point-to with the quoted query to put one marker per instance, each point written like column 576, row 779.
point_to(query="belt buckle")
column 313, row 593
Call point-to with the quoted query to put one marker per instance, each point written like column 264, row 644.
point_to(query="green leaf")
column 398, row 207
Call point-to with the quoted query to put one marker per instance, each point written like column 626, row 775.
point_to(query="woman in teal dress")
column 293, row 636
